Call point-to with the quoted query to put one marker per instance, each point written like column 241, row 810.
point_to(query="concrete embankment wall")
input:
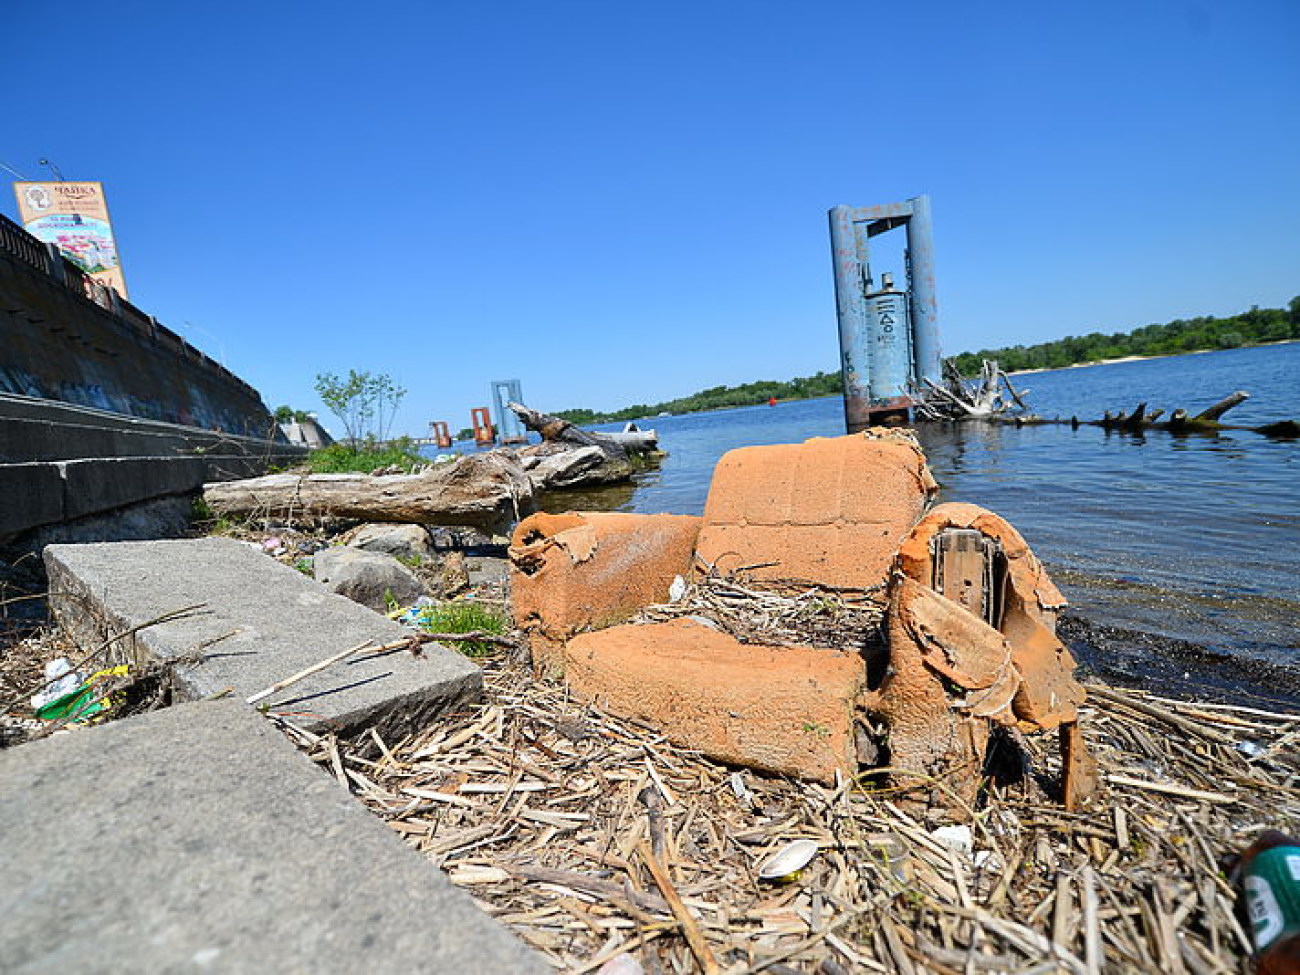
column 102, row 408
column 67, row 338
column 60, row 463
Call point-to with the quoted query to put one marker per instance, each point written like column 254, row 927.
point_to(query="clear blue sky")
column 626, row 202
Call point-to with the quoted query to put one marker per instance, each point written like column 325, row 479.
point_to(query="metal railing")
column 23, row 245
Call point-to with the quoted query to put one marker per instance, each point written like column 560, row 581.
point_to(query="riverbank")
column 1143, row 358
column 590, row 836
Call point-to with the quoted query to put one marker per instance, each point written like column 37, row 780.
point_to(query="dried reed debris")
column 592, row 836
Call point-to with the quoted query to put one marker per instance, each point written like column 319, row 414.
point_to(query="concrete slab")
column 198, row 839
column 260, row 623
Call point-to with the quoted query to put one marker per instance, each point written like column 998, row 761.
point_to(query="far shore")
column 1143, row 358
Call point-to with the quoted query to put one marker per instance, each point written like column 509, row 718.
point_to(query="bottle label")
column 1272, row 885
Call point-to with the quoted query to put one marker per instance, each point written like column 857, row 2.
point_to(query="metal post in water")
column 509, row 426
column 921, row 285
column 855, row 360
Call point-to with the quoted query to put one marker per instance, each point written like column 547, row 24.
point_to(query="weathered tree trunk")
column 556, row 430
column 569, row 456
column 956, row 399
column 634, row 439
column 1223, row 406
column 485, row 491
column 1140, row 419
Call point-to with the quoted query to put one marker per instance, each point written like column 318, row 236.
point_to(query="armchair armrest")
column 589, row 570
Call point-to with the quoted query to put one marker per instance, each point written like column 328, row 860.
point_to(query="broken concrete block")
column 1048, row 694
column 832, row 510
column 196, row 838
column 410, row 542
column 787, row 710
column 575, row 572
column 255, row 622
column 369, row 578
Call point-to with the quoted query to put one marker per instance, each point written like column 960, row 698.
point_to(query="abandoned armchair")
column 965, row 650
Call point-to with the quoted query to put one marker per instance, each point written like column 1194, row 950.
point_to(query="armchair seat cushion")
column 787, row 710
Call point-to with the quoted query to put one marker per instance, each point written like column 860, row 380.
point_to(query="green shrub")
column 340, row 458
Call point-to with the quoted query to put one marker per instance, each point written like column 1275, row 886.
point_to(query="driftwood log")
column 956, row 399
column 489, row 492
column 554, row 429
column 1207, row 421
column 569, row 456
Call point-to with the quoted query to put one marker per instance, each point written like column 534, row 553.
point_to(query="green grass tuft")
column 463, row 617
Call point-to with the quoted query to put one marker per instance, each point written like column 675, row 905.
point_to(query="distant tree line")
column 718, row 398
column 1252, row 327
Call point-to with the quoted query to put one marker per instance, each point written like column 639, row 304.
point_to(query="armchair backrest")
column 831, row 510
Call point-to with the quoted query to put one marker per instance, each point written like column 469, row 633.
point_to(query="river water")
column 1191, row 537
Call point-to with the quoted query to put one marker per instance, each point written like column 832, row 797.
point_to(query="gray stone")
column 488, row 571
column 259, row 623
column 165, row 517
column 369, row 578
column 399, row 541
column 198, row 839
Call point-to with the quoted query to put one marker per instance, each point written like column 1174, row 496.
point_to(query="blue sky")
column 626, row 202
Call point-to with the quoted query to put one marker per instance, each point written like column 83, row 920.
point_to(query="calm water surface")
column 1194, row 537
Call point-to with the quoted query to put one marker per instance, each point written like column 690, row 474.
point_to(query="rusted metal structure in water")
column 889, row 339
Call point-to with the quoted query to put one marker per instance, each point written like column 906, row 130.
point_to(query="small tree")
column 387, row 395
column 366, row 404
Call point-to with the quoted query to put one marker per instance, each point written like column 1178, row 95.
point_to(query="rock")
column 410, row 542
column 368, row 578
column 259, row 622
column 197, row 839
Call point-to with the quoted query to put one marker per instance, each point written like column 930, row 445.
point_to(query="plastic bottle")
column 1270, row 878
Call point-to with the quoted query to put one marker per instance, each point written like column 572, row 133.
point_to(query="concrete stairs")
column 60, row 462
column 197, row 838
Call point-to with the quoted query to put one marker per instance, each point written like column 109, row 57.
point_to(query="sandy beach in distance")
column 1137, row 358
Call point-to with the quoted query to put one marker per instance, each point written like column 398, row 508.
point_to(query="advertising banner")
column 73, row 217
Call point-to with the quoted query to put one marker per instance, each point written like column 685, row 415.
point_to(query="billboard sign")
column 73, row 216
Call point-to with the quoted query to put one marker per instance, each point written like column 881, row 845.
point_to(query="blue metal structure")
column 889, row 340
column 510, row 428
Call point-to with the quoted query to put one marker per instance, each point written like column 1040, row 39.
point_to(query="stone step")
column 197, row 838
column 260, row 622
